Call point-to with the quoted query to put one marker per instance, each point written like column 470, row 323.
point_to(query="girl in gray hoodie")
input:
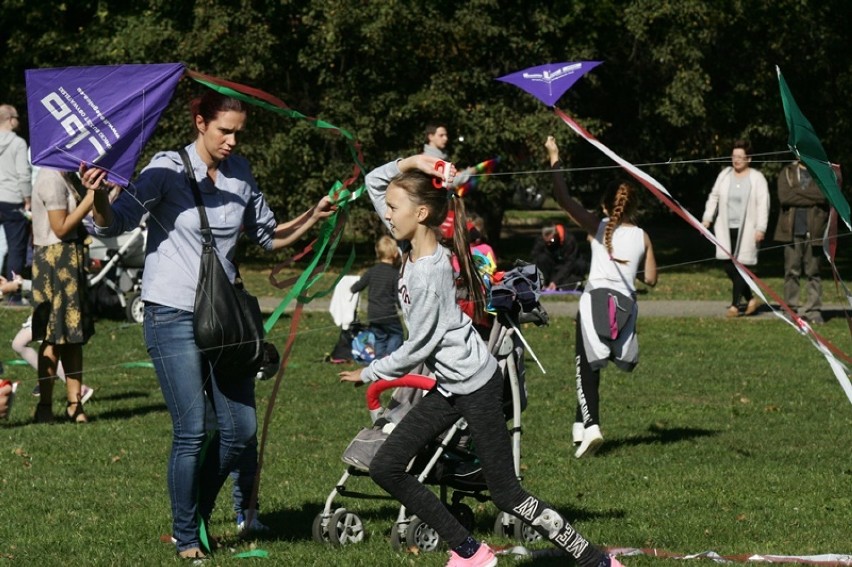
column 469, row 383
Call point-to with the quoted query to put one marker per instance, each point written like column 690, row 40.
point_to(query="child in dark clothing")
column 381, row 279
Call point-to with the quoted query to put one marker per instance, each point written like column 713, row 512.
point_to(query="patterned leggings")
column 482, row 410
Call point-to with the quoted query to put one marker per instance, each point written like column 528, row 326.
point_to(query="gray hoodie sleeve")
column 377, row 182
column 423, row 337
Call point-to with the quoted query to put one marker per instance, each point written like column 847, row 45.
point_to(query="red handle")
column 440, row 166
column 375, row 389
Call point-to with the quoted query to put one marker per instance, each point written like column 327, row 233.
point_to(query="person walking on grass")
column 469, row 382
column 606, row 318
column 739, row 204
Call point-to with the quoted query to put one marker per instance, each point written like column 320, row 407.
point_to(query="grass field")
column 730, row 436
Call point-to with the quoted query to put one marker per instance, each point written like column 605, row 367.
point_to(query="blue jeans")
column 17, row 227
column 388, row 338
column 184, row 375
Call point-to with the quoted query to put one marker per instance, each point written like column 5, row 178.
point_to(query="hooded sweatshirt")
column 15, row 180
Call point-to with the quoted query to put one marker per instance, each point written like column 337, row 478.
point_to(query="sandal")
column 79, row 414
column 43, row 413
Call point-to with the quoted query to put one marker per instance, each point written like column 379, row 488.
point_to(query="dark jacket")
column 560, row 260
column 792, row 197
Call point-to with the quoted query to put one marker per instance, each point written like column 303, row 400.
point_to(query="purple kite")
column 101, row 115
column 549, row 82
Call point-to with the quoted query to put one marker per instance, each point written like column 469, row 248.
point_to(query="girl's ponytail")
column 467, row 268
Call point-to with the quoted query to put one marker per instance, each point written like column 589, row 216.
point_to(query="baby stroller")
column 115, row 274
column 448, row 463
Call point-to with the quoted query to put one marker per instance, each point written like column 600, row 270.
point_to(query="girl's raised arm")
column 578, row 213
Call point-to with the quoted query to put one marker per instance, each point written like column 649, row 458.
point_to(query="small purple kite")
column 549, row 82
column 102, row 115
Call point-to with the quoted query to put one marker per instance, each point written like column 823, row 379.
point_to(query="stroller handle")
column 375, row 389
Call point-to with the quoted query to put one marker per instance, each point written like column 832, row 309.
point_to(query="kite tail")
column 828, row 350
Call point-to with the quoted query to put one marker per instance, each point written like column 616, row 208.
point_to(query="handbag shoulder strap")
column 206, row 233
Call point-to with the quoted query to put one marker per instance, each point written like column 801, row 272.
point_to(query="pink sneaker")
column 484, row 557
column 613, row 562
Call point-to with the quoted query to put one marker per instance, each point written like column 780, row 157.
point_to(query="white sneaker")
column 577, row 432
column 592, row 440
column 255, row 526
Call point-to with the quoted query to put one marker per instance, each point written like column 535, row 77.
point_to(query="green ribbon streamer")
column 142, row 364
column 308, row 278
column 260, row 553
column 227, row 91
column 340, row 195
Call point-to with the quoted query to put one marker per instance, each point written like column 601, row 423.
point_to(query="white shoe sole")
column 592, row 440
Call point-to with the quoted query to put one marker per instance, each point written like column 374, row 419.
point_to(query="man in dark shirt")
column 558, row 257
column 801, row 224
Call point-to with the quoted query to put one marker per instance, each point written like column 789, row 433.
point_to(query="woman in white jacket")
column 739, row 202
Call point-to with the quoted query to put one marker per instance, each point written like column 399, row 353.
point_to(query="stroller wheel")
column 319, row 532
column 504, row 525
column 464, row 514
column 398, row 536
column 135, row 309
column 345, row 528
column 422, row 535
column 524, row 533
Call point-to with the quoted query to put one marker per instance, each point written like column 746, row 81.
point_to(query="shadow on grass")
column 125, row 395
column 127, row 413
column 657, row 435
column 297, row 525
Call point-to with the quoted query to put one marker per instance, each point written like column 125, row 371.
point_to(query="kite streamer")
column 480, row 170
column 823, row 560
column 828, row 350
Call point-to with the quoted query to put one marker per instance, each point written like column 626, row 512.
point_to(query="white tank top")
column 628, row 243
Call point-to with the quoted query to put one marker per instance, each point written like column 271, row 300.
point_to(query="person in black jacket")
column 558, row 257
column 381, row 279
column 801, row 224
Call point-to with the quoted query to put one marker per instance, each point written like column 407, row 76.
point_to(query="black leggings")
column 482, row 410
column 740, row 287
column 588, row 384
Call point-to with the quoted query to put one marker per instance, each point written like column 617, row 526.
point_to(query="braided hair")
column 621, row 203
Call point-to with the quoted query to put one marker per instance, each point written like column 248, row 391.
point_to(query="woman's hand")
column 759, row 236
column 323, row 209
column 353, row 376
column 13, row 286
column 706, row 223
column 95, row 178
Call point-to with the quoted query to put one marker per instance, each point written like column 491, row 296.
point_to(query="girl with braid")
column 606, row 319
column 469, row 382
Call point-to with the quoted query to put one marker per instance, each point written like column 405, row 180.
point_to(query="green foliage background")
column 681, row 79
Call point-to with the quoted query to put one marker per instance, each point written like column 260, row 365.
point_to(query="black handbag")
column 227, row 322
